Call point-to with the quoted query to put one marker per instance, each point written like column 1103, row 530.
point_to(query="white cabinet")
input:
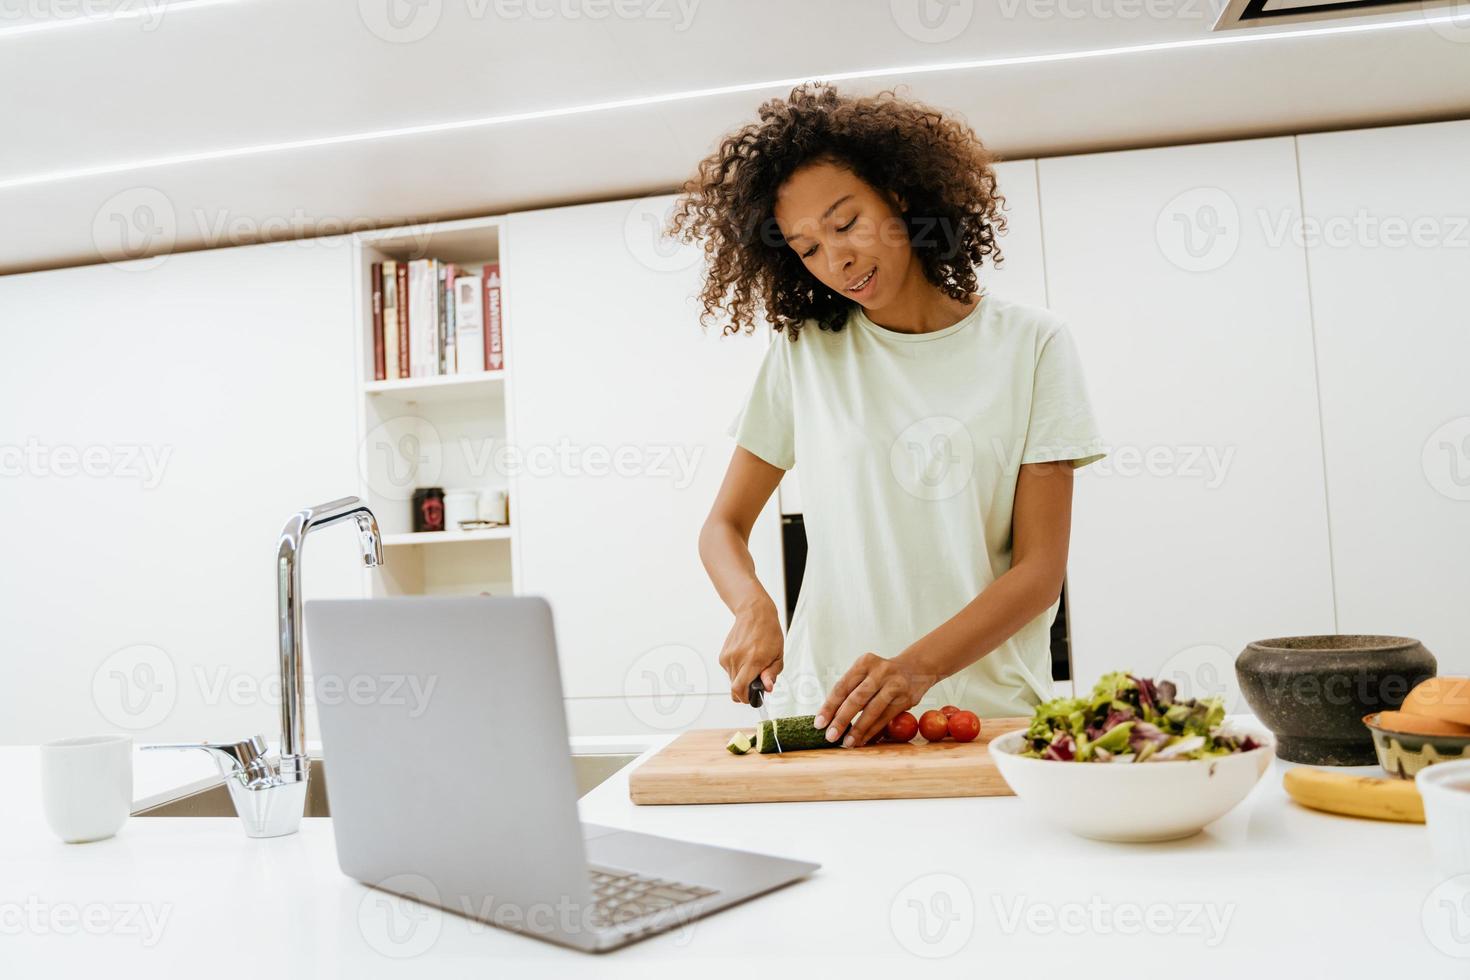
column 1206, row 527
column 1021, row 278
column 620, row 401
column 162, row 420
column 1388, row 219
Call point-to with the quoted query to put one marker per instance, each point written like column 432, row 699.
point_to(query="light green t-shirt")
column 909, row 446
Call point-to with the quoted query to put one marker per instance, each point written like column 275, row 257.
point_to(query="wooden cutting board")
column 697, row 768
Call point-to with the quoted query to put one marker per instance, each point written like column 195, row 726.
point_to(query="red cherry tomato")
column 933, row 726
column 964, row 726
column 902, row 728
column 949, row 710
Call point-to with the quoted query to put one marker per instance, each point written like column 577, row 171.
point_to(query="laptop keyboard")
column 619, row 897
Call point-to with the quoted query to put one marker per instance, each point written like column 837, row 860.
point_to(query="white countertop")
column 1270, row 887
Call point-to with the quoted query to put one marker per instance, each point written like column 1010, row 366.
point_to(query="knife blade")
column 757, row 695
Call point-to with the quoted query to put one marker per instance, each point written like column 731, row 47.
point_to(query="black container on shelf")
column 428, row 509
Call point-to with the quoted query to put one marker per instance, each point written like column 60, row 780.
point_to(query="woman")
column 937, row 427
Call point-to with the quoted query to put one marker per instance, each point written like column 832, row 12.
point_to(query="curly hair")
column 935, row 163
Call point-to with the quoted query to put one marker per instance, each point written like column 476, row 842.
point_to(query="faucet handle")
column 245, row 760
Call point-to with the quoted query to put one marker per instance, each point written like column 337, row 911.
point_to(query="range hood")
column 1263, row 13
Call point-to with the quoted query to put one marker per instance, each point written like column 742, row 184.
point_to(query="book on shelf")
column 447, row 272
column 432, row 318
column 389, row 290
column 494, row 341
column 401, row 269
column 380, row 367
column 469, row 329
column 423, row 318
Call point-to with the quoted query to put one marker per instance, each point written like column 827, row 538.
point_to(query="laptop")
column 450, row 779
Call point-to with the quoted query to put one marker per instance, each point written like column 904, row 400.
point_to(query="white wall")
column 146, row 602
column 609, row 361
column 1206, row 528
column 1390, row 264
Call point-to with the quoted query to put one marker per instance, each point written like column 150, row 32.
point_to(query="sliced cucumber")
column 739, row 743
column 794, row 734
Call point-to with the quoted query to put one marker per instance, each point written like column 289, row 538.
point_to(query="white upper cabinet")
column 179, row 411
column 1206, row 527
column 619, row 403
column 1388, row 224
column 1021, row 278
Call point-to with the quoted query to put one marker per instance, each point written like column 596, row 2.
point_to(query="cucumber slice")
column 739, row 743
column 794, row 734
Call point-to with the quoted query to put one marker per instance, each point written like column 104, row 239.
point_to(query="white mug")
column 494, row 505
column 87, row 786
column 459, row 505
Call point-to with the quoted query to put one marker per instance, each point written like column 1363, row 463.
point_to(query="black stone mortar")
column 1313, row 691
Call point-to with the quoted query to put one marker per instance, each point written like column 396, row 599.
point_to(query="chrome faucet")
column 270, row 798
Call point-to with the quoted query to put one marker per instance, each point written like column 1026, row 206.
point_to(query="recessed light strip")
column 484, row 122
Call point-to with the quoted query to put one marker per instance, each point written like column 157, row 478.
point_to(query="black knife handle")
column 756, row 693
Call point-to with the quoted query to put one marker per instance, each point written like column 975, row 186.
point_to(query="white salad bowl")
column 1133, row 802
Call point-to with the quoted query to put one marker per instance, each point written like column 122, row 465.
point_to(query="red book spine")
column 403, row 364
column 380, row 363
column 494, row 351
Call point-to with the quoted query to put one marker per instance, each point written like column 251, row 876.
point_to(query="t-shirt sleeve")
column 766, row 425
column 1061, row 425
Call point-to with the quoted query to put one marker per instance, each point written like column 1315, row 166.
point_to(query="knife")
column 757, row 694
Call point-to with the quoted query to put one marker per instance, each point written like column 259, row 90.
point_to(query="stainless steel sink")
column 210, row 798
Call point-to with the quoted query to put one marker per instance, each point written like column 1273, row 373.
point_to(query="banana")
column 1355, row 796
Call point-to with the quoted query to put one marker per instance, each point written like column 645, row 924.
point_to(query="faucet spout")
column 294, row 765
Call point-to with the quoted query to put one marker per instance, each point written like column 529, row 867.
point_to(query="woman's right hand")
column 754, row 648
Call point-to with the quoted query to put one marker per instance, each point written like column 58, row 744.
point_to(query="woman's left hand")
column 878, row 688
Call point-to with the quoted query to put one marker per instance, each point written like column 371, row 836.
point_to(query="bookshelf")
column 448, row 431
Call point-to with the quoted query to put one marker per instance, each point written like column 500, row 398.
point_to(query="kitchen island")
column 975, row 885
